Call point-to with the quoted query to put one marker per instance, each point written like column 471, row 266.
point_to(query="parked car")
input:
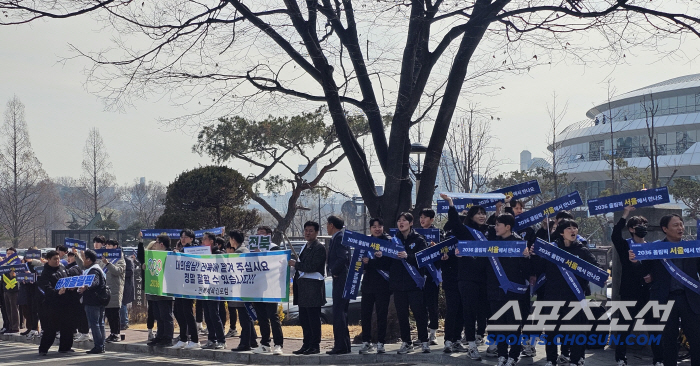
column 291, row 312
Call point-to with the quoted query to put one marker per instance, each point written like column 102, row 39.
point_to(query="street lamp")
column 418, row 149
column 301, row 224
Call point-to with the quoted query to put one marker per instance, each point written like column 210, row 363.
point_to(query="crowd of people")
column 473, row 289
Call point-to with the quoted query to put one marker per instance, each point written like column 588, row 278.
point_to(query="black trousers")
column 413, row 299
column 268, row 318
column 577, row 352
column 213, row 319
column 222, row 313
column 5, row 322
column 32, row 319
column 233, row 318
column 163, row 314
column 370, row 302
column 621, row 348
column 454, row 316
column 431, row 292
column 689, row 322
column 310, row 319
column 508, row 318
column 185, row 319
column 475, row 308
column 52, row 322
column 150, row 319
column 82, row 322
column 249, row 338
column 199, row 311
column 341, row 333
column 112, row 316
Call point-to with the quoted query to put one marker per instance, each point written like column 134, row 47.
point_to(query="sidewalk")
column 136, row 339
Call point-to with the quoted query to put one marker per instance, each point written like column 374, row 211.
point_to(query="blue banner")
column 371, row 244
column 570, row 262
column 435, row 274
column 538, row 213
column 434, row 253
column 479, row 248
column 618, row 202
column 682, row 277
column 110, row 254
column 412, row 271
column 430, row 235
column 504, row 282
column 75, row 281
column 517, row 191
column 251, row 311
column 353, row 280
column 573, row 283
column 666, row 250
column 538, row 284
column 13, row 259
column 75, row 243
column 13, row 267
column 26, row 277
column 32, row 254
column 175, row 233
column 38, row 270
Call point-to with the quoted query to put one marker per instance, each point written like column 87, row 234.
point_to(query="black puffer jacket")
column 517, row 269
column 555, row 287
column 632, row 284
column 372, row 281
column 90, row 295
column 469, row 268
column 399, row 277
column 47, row 287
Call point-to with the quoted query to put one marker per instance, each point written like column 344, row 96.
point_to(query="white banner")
column 253, row 277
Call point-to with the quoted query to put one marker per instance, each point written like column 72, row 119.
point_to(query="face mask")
column 640, row 231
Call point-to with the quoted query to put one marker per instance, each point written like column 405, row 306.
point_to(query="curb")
column 437, row 357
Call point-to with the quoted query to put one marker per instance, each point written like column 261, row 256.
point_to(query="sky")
column 60, row 111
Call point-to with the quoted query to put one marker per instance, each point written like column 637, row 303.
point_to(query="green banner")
column 155, row 263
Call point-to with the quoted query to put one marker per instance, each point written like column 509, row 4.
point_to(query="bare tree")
column 556, row 117
column 241, row 55
column 651, row 107
column 145, row 200
column 97, row 184
column 23, row 182
column 470, row 159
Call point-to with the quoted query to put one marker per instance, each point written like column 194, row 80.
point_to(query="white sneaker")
column 209, row 345
column 659, row 364
column 448, row 347
column 380, row 348
column 179, row 345
column 563, row 360
column 426, row 347
column 366, row 348
column 492, row 351
column 218, row 345
column 479, row 340
column 406, row 347
column 81, row 337
column 529, row 351
column 16, row 334
column 473, row 352
column 510, row 362
column 432, row 338
column 621, row 363
column 262, row 349
column 193, row 345
column 501, row 361
column 549, row 363
column 277, row 350
column 151, row 335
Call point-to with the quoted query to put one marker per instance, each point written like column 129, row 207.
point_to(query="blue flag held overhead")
column 648, row 197
column 534, row 215
column 517, row 191
column 75, row 243
column 434, row 253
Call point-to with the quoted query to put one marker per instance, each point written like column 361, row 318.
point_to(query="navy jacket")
column 399, row 278
column 556, row 287
column 661, row 280
column 517, row 270
column 338, row 256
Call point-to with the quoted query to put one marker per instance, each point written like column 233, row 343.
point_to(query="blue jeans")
column 124, row 316
column 96, row 321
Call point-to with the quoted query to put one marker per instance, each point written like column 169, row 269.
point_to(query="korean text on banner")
column 75, row 243
column 260, row 242
column 618, row 202
column 534, row 215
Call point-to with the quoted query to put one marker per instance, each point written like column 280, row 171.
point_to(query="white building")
column 586, row 144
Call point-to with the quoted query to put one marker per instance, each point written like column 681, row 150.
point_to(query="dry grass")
column 291, row 331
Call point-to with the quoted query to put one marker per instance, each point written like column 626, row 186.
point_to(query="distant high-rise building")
column 311, row 174
column 525, row 158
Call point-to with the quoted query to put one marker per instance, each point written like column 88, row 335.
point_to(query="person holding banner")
column 431, row 291
column 667, row 287
column 557, row 288
column 216, row 339
column 268, row 317
column 407, row 284
column 454, row 317
column 80, row 318
column 309, row 288
column 376, row 292
column 183, row 307
column 115, row 280
column 54, row 305
column 338, row 265
column 632, row 286
column 248, row 339
column 472, row 274
column 162, row 306
column 512, row 273
column 31, row 309
column 10, row 292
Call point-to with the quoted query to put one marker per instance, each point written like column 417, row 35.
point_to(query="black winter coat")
column 46, row 283
column 469, row 268
column 372, row 281
column 632, row 283
column 555, row 287
column 90, row 295
column 399, row 277
column 517, row 269
column 129, row 290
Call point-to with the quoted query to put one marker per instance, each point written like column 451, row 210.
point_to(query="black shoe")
column 124, row 327
column 255, row 345
column 41, row 353
column 167, row 343
column 335, row 351
column 113, row 338
column 301, row 350
column 312, row 351
column 66, row 351
column 241, row 349
column 95, row 351
column 25, row 332
column 153, row 342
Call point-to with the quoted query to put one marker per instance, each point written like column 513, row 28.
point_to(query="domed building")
column 674, row 108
